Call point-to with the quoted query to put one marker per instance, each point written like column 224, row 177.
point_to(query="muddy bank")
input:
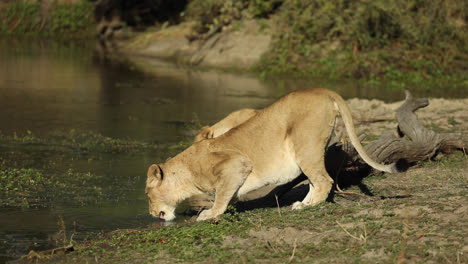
column 232, row 48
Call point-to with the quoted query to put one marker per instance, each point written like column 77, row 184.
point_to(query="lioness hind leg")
column 320, row 184
column 231, row 173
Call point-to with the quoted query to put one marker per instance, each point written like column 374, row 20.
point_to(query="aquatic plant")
column 30, row 187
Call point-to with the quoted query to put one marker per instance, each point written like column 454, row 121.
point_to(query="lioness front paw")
column 204, row 215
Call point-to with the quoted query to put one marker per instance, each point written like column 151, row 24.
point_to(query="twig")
column 294, row 251
column 362, row 238
column 374, row 120
column 364, row 196
column 277, row 204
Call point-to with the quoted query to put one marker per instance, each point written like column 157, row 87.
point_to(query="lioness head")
column 205, row 133
column 160, row 203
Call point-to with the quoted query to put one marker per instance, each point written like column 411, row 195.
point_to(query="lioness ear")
column 207, row 132
column 210, row 133
column 155, row 173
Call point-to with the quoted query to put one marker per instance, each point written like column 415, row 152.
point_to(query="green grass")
column 454, row 161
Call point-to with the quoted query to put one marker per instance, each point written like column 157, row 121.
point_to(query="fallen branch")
column 411, row 141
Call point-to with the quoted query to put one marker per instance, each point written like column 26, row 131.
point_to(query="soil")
column 421, row 208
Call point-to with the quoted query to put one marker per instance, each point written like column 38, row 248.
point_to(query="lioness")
column 232, row 120
column 229, row 122
column 272, row 147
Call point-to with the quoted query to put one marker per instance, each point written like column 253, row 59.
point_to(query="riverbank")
column 392, row 44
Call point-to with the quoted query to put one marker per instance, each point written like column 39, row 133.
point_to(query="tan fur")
column 232, row 120
column 272, row 147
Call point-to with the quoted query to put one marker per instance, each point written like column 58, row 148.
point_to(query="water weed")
column 27, row 187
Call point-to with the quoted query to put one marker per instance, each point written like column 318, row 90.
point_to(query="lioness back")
column 298, row 123
column 232, row 120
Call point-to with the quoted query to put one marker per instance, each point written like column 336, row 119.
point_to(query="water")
column 48, row 86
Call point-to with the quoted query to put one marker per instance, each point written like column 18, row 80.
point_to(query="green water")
column 49, row 87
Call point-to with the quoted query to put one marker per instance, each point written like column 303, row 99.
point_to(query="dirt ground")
column 421, row 216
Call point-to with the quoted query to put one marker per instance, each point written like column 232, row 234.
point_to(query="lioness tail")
column 348, row 121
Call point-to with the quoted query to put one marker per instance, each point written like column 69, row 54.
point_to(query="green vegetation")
column 36, row 18
column 208, row 14
column 399, row 41
column 72, row 18
column 21, row 17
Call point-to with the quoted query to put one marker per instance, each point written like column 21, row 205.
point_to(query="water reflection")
column 40, row 92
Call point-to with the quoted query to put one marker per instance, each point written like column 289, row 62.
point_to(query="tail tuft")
column 400, row 166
